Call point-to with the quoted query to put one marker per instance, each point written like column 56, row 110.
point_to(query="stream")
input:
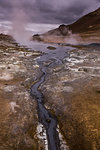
column 45, row 117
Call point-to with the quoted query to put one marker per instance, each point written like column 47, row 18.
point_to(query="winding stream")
column 45, row 117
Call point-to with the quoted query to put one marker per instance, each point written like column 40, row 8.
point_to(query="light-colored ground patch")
column 6, row 76
column 13, row 106
column 9, row 88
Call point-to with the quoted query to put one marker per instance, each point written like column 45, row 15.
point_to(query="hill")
column 87, row 27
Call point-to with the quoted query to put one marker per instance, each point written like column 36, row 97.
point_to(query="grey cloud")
column 45, row 11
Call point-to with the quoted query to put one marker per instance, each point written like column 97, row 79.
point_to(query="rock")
column 63, row 29
column 51, row 48
column 83, row 69
column 48, row 120
column 36, row 37
column 8, row 68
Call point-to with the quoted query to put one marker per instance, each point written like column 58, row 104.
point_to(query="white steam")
column 56, row 37
column 19, row 23
column 73, row 39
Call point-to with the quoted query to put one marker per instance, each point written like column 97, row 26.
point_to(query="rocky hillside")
column 88, row 24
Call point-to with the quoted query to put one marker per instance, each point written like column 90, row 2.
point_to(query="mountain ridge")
column 86, row 26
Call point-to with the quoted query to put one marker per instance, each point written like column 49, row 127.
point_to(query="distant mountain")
column 87, row 26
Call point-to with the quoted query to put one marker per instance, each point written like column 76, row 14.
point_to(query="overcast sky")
column 47, row 11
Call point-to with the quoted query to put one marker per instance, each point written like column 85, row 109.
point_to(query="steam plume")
column 19, row 23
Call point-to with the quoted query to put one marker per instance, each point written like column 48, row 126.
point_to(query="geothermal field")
column 50, row 77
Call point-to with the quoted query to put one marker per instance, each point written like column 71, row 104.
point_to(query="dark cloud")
column 45, row 11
